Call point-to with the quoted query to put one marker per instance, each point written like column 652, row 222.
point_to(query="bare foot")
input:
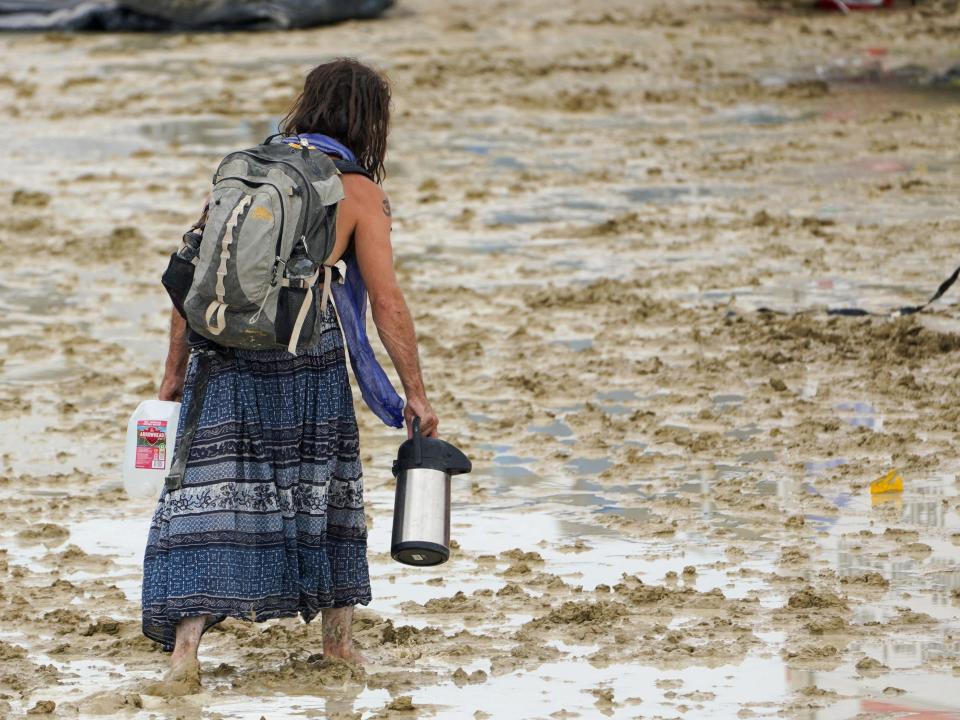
column 183, row 678
column 338, row 636
column 348, row 655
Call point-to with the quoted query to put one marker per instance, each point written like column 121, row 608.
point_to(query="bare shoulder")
column 364, row 194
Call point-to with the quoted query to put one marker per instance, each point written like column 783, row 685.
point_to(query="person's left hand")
column 420, row 407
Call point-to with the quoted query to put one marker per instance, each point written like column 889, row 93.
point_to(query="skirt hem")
column 164, row 629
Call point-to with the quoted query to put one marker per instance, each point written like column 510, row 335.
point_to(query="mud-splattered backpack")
column 248, row 278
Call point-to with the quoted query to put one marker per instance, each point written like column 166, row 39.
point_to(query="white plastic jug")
column 151, row 433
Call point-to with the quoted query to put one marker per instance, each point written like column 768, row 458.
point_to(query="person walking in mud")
column 267, row 519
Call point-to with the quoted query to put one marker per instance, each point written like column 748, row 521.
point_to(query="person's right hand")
column 171, row 388
column 420, row 407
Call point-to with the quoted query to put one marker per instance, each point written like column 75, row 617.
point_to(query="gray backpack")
column 250, row 280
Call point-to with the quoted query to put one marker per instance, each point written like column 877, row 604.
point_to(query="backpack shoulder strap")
column 351, row 168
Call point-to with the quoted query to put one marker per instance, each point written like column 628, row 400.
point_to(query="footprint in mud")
column 109, row 703
column 316, row 672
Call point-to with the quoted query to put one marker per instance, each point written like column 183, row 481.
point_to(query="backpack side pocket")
column 177, row 279
column 290, row 303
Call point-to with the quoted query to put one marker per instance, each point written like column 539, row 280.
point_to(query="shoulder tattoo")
column 386, row 207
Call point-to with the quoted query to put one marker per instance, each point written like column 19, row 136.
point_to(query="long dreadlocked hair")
column 350, row 102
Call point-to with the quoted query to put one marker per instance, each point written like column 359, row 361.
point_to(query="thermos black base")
column 420, row 553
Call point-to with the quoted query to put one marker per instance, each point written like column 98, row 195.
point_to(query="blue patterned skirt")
column 269, row 521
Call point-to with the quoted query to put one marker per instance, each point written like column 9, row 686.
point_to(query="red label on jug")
column 151, row 444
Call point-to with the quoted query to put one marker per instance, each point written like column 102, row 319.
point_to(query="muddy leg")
column 338, row 634
column 183, row 661
column 183, row 678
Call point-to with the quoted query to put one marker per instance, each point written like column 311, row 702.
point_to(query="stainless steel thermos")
column 421, row 511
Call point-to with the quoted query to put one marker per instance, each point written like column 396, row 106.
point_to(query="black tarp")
column 158, row 15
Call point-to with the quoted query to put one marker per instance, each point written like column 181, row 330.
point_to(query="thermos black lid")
column 431, row 454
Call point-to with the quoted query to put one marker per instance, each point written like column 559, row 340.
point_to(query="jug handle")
column 417, row 444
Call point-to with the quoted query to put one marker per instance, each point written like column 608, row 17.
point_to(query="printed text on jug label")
column 151, row 444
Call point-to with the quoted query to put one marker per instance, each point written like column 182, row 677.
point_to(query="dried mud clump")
column 580, row 620
column 627, row 223
column 870, row 666
column 461, row 677
column 458, row 603
column 522, row 555
column 408, row 635
column 906, row 616
column 634, row 591
column 794, row 521
column 401, row 703
column 600, row 613
column 42, row 707
column 828, row 625
column 11, row 652
column 822, row 655
column 20, row 675
column 294, row 674
column 868, row 579
column 29, row 198
column 879, row 341
column 811, row 598
column 47, row 533
column 794, row 556
column 901, row 534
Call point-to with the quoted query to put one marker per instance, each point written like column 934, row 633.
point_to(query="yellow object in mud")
column 890, row 483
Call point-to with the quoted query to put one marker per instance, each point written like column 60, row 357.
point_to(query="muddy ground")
column 670, row 512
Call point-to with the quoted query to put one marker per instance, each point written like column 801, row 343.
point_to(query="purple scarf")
column 350, row 299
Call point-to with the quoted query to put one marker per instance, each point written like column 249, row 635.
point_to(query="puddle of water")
column 860, row 414
column 760, row 115
column 507, row 472
column 589, row 466
column 495, row 447
column 508, row 162
column 757, row 456
column 675, row 194
column 616, row 409
column 575, row 344
column 121, row 315
column 49, row 370
column 513, row 460
column 546, row 524
column 728, row 399
column 557, row 428
column 94, row 148
column 617, row 395
column 516, row 218
column 480, row 417
column 341, row 703
column 754, row 681
column 744, row 433
column 923, row 580
column 789, row 296
column 817, row 467
column 209, row 133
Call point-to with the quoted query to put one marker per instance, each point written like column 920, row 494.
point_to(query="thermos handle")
column 417, row 445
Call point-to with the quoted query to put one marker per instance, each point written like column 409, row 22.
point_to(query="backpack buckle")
column 276, row 270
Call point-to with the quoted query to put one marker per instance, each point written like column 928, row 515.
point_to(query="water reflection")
column 860, row 414
column 211, row 133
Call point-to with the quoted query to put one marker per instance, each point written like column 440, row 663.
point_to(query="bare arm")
column 391, row 315
column 171, row 388
column 178, row 354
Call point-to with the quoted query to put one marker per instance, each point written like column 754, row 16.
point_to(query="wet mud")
column 618, row 227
